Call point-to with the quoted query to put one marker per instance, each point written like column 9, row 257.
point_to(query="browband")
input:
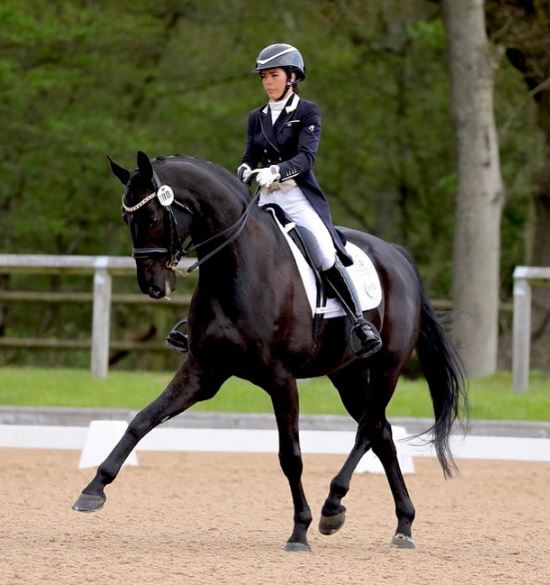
column 138, row 205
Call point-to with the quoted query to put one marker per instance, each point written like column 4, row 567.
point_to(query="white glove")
column 244, row 173
column 266, row 177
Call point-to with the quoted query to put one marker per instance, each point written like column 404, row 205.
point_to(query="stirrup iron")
column 365, row 337
column 365, row 344
column 178, row 340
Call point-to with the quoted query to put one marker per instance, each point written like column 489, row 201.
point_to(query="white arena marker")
column 371, row 464
column 101, row 437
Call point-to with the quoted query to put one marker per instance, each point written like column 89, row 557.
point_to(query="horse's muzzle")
column 154, row 279
column 156, row 292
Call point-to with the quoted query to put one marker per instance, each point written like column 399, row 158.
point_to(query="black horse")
column 249, row 317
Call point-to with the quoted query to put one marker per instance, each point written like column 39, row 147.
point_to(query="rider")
column 283, row 139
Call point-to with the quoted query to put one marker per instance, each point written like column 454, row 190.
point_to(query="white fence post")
column 103, row 268
column 101, row 321
column 521, row 344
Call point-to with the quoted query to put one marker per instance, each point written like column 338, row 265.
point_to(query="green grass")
column 490, row 398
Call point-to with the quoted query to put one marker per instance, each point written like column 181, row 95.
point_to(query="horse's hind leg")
column 351, row 384
column 384, row 448
column 333, row 513
column 188, row 386
column 374, row 431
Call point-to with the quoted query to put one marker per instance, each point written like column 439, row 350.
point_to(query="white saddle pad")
column 362, row 272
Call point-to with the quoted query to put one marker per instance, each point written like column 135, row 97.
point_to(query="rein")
column 238, row 224
column 176, row 250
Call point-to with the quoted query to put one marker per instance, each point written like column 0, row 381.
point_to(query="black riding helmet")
column 282, row 55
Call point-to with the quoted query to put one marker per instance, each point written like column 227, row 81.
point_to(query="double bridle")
column 166, row 198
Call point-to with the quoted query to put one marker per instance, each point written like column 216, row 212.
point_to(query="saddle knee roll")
column 310, row 242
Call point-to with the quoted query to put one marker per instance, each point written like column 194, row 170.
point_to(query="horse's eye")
column 154, row 221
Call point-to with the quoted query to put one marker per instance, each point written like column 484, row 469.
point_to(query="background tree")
column 480, row 194
column 522, row 27
column 82, row 79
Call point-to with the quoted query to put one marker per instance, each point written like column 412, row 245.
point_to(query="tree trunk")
column 523, row 28
column 480, row 194
column 540, row 332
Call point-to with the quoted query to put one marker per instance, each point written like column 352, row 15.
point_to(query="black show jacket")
column 292, row 144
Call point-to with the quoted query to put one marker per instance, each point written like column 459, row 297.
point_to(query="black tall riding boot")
column 365, row 332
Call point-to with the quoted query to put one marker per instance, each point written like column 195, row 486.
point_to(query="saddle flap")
column 362, row 272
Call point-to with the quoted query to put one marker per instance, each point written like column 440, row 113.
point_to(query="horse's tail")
column 444, row 372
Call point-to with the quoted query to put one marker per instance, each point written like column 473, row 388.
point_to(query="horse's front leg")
column 333, row 513
column 284, row 396
column 190, row 385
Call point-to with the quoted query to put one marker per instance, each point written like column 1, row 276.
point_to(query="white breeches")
column 300, row 210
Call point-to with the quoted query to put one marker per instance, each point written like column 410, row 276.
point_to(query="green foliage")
column 82, row 79
column 522, row 149
column 491, row 398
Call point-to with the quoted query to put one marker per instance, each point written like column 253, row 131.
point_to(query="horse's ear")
column 119, row 172
column 144, row 165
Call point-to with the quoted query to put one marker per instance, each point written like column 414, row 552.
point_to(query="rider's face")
column 274, row 82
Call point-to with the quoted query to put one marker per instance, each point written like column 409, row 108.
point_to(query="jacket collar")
column 287, row 113
column 290, row 107
column 292, row 103
column 270, row 130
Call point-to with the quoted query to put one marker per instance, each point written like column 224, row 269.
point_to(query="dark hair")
column 289, row 70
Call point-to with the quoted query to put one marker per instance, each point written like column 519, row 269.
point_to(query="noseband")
column 176, row 251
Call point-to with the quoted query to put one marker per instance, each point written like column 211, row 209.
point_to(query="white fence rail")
column 524, row 277
column 103, row 269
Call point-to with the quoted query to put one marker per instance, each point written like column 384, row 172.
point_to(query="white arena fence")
column 104, row 268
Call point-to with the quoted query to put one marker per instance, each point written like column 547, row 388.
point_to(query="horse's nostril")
column 155, row 291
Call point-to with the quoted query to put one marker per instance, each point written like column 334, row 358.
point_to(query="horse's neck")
column 240, row 263
column 217, row 212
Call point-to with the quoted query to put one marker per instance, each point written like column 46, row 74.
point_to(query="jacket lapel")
column 267, row 127
column 287, row 114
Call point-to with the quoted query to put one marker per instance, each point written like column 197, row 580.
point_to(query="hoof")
column 402, row 541
column 297, row 547
column 89, row 503
column 330, row 524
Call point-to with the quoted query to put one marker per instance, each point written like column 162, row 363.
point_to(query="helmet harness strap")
column 289, row 84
